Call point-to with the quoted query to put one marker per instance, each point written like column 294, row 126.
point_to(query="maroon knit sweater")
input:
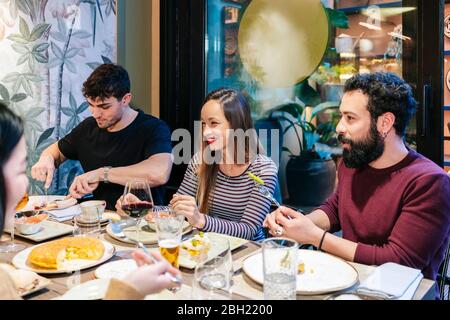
column 398, row 214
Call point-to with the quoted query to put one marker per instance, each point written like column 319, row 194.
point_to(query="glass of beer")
column 169, row 227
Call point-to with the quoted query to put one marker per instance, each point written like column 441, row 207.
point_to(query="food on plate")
column 32, row 219
column 29, row 222
column 24, row 280
column 67, row 202
column 53, row 254
column 301, row 267
column 197, row 245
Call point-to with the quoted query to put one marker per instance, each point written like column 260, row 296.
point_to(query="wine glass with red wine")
column 137, row 201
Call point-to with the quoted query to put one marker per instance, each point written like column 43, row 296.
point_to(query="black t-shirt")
column 95, row 148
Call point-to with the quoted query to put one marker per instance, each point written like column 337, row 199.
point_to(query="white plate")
column 20, row 261
column 146, row 235
column 49, row 230
column 90, row 290
column 116, row 269
column 189, row 262
column 42, row 283
column 323, row 272
column 42, row 199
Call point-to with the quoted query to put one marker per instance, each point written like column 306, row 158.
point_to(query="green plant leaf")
column 33, row 113
column 307, row 94
column 38, row 31
column 80, row 34
column 45, row 135
column 57, row 51
column 24, row 58
column 72, row 102
column 93, row 65
column 18, row 97
column 67, row 111
column 17, row 38
column 20, row 48
column 58, row 36
column 337, row 18
column 4, row 93
column 41, row 47
column 24, row 30
column 324, row 106
column 292, row 108
column 53, row 63
column 62, row 27
column 27, row 87
column 287, row 150
column 11, row 77
column 99, row 9
column 106, row 60
column 72, row 53
column 39, row 57
column 70, row 66
column 83, row 107
column 33, row 77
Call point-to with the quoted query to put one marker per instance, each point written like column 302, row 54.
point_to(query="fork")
column 266, row 193
column 117, row 229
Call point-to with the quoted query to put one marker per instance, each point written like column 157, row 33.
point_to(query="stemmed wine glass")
column 137, row 201
column 11, row 246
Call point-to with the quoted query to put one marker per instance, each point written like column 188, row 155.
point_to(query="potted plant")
column 310, row 174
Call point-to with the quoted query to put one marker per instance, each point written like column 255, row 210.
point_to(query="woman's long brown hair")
column 238, row 114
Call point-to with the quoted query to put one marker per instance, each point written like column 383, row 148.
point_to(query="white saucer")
column 90, row 290
column 116, row 269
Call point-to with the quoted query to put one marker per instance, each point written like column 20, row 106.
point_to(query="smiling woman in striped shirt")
column 216, row 194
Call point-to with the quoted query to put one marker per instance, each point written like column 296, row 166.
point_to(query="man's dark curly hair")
column 107, row 80
column 387, row 93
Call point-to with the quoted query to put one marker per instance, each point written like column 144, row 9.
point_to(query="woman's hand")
column 292, row 224
column 150, row 277
column 187, row 206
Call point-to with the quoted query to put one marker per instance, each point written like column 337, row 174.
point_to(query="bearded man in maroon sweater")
column 391, row 203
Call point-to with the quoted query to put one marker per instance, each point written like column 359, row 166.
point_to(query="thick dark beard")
column 363, row 152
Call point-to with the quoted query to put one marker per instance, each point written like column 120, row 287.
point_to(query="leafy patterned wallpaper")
column 47, row 49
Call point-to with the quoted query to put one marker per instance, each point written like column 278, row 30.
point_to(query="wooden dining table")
column 243, row 287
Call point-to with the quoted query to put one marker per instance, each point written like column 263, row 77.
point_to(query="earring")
column 384, row 135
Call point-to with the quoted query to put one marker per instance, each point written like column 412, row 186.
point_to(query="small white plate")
column 116, row 269
column 90, row 290
column 146, row 235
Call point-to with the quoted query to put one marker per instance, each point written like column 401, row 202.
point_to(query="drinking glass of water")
column 213, row 276
column 280, row 268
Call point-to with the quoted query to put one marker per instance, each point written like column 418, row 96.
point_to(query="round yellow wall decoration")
column 282, row 42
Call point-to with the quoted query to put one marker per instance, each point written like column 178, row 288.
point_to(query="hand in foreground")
column 150, row 277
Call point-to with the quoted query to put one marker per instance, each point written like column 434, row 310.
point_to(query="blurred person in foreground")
column 148, row 278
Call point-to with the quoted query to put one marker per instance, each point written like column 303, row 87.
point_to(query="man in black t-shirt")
column 115, row 145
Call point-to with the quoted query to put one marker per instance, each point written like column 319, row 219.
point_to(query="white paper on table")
column 65, row 214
